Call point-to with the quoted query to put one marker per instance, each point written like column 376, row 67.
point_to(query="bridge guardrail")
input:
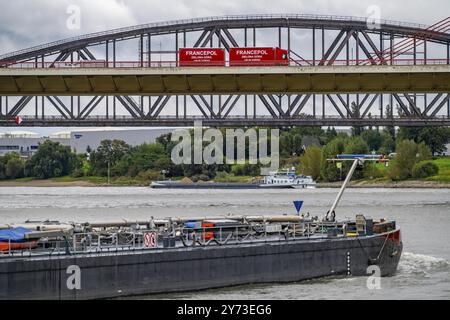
column 229, row 117
column 175, row 64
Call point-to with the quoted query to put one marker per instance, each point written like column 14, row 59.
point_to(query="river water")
column 422, row 214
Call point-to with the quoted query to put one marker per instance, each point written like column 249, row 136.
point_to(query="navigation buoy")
column 19, row 120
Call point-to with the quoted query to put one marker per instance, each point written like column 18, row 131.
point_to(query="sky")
column 26, row 23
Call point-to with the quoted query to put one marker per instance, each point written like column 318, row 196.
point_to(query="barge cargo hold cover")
column 124, row 272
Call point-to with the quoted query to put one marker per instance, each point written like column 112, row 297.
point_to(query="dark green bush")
column 425, row 169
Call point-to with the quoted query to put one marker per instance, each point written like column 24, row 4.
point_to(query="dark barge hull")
column 208, row 185
column 224, row 185
column 184, row 269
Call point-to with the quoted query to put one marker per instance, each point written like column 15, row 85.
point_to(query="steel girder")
column 219, row 29
column 228, row 22
column 98, row 121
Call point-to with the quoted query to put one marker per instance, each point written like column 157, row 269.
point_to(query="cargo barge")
column 112, row 259
column 128, row 261
column 275, row 180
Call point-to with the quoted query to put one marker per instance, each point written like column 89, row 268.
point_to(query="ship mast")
column 344, row 185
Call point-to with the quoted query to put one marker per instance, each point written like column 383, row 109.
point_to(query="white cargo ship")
column 287, row 179
column 275, row 180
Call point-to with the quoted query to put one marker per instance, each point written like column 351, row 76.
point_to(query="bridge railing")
column 201, row 117
column 175, row 64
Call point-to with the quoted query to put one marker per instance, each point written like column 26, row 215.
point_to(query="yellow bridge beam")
column 224, row 80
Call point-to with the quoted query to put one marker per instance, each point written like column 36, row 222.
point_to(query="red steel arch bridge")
column 412, row 62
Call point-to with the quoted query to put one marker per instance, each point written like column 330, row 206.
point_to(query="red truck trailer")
column 258, row 57
column 194, row 57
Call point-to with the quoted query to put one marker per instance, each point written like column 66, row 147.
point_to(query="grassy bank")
column 101, row 181
column 120, row 181
column 68, row 181
column 444, row 171
column 442, row 177
column 441, row 180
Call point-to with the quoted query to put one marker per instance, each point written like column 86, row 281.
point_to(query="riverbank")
column 408, row 184
column 73, row 182
column 128, row 182
column 94, row 181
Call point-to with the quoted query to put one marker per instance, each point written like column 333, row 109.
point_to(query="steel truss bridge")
column 343, row 71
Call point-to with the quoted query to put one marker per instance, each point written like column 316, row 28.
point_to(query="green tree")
column 330, row 134
column 11, row 166
column 373, row 139
column 328, row 171
column 311, row 161
column 15, row 168
column 290, row 143
column 408, row 154
column 3, row 161
column 291, row 139
column 341, row 144
column 356, row 130
column 245, row 170
column 390, row 115
column 52, row 160
column 387, row 143
column 142, row 158
column 82, row 168
column 423, row 152
column 356, row 145
column 166, row 142
column 2, row 168
column 108, row 154
column 435, row 138
column 409, row 133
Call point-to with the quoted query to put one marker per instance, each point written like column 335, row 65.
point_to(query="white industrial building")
column 447, row 150
column 81, row 140
column 26, row 143
column 22, row 142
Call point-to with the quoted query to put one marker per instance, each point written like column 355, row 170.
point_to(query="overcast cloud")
column 25, row 23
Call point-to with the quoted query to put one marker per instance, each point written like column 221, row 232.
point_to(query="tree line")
column 411, row 149
column 115, row 158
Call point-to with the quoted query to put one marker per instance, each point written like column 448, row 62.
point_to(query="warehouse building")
column 81, row 140
column 22, row 142
column 447, row 150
